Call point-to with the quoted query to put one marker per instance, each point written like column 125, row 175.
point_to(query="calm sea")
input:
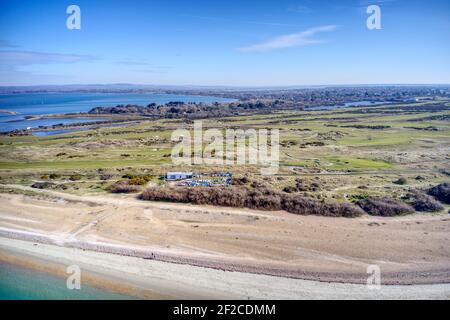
column 17, row 283
column 58, row 103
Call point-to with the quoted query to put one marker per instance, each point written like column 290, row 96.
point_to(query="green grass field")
column 313, row 142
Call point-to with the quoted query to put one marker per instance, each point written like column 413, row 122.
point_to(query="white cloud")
column 6, row 44
column 299, row 39
column 15, row 64
column 29, row 58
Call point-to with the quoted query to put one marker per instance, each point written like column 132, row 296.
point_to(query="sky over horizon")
column 229, row 43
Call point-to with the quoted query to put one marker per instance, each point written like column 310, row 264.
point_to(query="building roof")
column 178, row 173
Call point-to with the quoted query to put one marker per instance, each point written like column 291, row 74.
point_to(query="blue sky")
column 236, row 43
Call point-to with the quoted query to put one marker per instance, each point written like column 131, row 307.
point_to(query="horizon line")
column 223, row 86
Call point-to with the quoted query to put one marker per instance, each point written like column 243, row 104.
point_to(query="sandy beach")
column 152, row 279
column 409, row 250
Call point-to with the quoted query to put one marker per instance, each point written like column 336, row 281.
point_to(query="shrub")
column 290, row 189
column 230, row 197
column 240, row 181
column 43, row 185
column 44, row 177
column 423, row 202
column 123, row 187
column 75, row 177
column 106, row 176
column 138, row 181
column 384, row 207
column 49, row 185
column 356, row 197
column 262, row 198
column 306, row 206
column 441, row 192
column 401, row 181
column 302, row 186
column 54, row 176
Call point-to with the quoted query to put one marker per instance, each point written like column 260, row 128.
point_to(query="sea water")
column 18, row 283
column 33, row 104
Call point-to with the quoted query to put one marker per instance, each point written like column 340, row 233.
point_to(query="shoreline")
column 8, row 112
column 150, row 279
column 11, row 258
column 96, row 122
column 429, row 277
column 120, row 226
